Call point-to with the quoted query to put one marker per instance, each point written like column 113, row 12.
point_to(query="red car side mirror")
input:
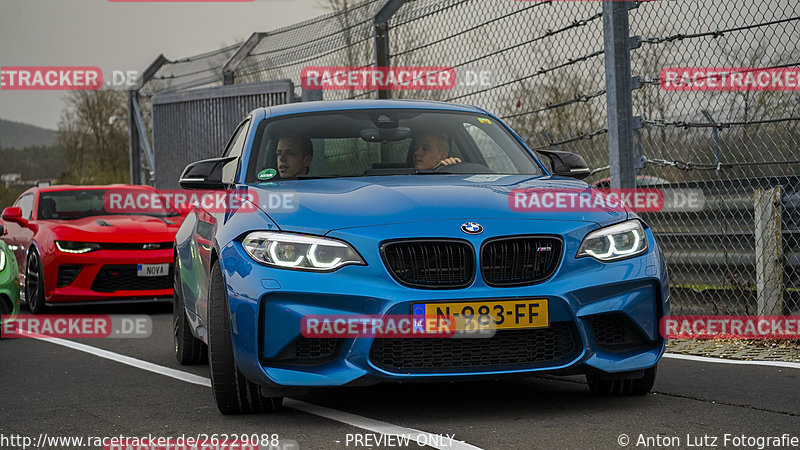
column 14, row 214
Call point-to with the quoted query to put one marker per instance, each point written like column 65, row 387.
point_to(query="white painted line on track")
column 376, row 426
column 138, row 363
column 421, row 437
column 786, row 364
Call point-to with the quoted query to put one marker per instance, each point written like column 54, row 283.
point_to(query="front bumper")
column 585, row 296
column 98, row 281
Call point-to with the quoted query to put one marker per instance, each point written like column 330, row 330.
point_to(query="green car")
column 9, row 280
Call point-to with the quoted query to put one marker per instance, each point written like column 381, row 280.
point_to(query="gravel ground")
column 762, row 349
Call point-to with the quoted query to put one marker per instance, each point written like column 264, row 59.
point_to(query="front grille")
column 430, row 264
column 309, row 350
column 67, row 274
column 135, row 245
column 615, row 332
column 507, row 349
column 112, row 278
column 520, row 260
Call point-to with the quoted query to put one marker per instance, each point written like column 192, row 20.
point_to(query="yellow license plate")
column 499, row 314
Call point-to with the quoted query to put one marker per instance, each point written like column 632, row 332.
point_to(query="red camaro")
column 72, row 246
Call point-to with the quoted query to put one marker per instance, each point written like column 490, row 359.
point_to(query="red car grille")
column 112, row 278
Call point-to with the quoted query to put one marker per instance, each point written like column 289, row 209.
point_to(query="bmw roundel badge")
column 471, row 228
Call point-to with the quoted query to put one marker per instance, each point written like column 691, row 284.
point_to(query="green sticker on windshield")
column 266, row 174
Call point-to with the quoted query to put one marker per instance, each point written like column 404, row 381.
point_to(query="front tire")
column 604, row 385
column 34, row 283
column 188, row 349
column 234, row 393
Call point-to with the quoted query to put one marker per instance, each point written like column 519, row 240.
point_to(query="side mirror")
column 14, row 214
column 567, row 164
column 205, row 174
column 184, row 209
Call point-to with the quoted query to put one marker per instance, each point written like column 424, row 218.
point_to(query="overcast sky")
column 121, row 36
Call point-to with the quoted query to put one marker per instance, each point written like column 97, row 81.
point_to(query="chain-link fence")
column 343, row 38
column 734, row 145
column 540, row 65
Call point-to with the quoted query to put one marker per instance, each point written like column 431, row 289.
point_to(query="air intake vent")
column 506, row 350
column 67, row 274
column 430, row 264
column 520, row 260
column 614, row 332
column 305, row 351
column 112, row 278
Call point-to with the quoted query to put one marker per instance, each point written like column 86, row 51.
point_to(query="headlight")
column 77, row 247
column 620, row 241
column 2, row 260
column 297, row 251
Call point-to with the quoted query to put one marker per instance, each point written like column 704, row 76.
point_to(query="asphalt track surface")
column 58, row 391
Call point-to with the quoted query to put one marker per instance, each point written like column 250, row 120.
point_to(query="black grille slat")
column 112, row 278
column 135, row 245
column 520, row 260
column 67, row 274
column 442, row 264
column 507, row 349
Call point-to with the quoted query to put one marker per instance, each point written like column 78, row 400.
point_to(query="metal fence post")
column 381, row 30
column 618, row 45
column 134, row 147
column 136, row 129
column 230, row 66
column 769, row 251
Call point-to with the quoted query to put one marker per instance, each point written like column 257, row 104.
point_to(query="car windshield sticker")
column 484, row 120
column 266, row 174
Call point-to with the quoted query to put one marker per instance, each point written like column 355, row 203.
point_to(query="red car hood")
column 115, row 228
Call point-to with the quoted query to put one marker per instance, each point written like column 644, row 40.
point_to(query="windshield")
column 384, row 142
column 71, row 205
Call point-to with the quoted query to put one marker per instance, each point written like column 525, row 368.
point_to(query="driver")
column 294, row 156
column 432, row 150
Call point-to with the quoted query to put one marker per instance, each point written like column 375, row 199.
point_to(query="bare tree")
column 93, row 137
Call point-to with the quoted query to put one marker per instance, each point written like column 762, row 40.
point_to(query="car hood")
column 116, row 228
column 323, row 205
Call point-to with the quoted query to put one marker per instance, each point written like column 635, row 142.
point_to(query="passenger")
column 432, row 150
column 294, row 156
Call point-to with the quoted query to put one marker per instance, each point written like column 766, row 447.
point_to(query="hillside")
column 21, row 135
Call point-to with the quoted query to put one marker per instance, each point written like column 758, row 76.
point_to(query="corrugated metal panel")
column 196, row 124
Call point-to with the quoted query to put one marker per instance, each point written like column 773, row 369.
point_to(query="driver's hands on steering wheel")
column 448, row 161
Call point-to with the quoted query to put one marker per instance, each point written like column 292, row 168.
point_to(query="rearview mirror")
column 205, row 174
column 567, row 164
column 385, row 134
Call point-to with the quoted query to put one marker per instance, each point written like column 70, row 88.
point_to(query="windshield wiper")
column 431, row 172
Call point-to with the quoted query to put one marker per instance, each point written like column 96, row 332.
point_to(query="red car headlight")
column 77, row 247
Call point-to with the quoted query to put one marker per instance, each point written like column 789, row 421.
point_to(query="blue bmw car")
column 389, row 208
